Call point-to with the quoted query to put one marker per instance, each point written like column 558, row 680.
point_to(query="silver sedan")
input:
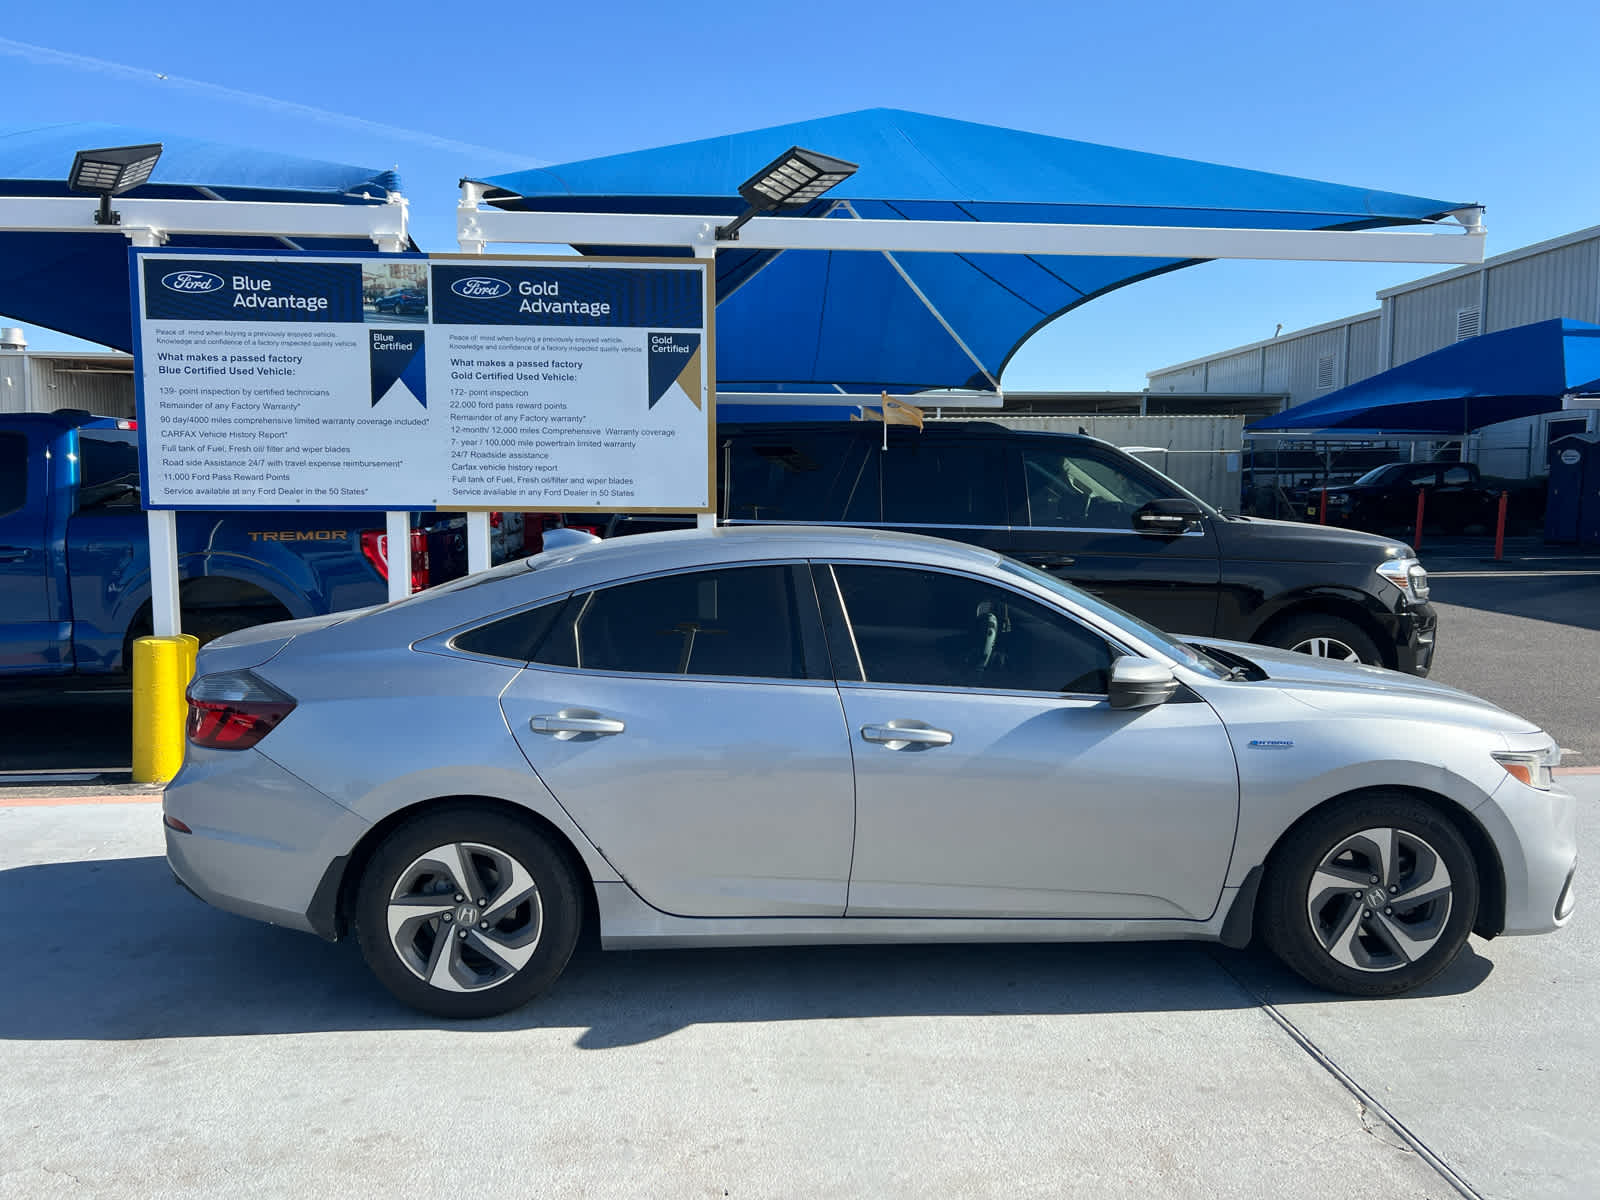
column 759, row 736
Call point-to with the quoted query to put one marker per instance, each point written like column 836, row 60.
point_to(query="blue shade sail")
column 1481, row 381
column 848, row 318
column 77, row 283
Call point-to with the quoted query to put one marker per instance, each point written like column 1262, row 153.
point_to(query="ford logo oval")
column 192, row 281
column 481, row 287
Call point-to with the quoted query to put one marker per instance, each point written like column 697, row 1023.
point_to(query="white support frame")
column 149, row 223
column 477, row 227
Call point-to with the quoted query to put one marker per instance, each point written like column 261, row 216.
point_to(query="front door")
column 993, row 779
column 688, row 725
column 1074, row 518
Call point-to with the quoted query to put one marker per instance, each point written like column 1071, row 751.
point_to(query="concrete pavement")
column 152, row 1046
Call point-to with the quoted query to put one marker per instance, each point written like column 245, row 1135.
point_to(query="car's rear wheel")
column 1371, row 897
column 467, row 912
column 1323, row 635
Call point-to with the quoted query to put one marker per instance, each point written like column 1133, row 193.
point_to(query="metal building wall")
column 1563, row 282
column 1425, row 319
column 13, row 382
column 1366, row 348
column 1235, row 373
column 55, row 384
column 1200, row 453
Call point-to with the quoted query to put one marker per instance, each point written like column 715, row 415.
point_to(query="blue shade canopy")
column 1482, row 381
column 77, row 283
column 809, row 318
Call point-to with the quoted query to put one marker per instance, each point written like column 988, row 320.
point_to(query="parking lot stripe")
column 54, row 801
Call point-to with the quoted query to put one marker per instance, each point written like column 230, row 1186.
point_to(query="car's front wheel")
column 1370, row 897
column 1322, row 635
column 467, row 912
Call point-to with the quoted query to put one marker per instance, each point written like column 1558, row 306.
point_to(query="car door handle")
column 13, row 553
column 1048, row 561
column 566, row 725
column 897, row 735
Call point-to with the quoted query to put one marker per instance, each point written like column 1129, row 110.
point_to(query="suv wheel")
column 1372, row 897
column 467, row 912
column 1324, row 636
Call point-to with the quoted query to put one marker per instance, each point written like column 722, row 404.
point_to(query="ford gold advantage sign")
column 404, row 382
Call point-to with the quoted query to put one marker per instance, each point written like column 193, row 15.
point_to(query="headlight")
column 1530, row 767
column 1407, row 575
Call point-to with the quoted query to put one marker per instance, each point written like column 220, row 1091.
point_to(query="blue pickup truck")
column 75, row 555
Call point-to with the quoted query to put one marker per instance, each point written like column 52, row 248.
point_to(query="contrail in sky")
column 45, row 56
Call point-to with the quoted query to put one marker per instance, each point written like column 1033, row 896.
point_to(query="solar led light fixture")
column 110, row 172
column 795, row 177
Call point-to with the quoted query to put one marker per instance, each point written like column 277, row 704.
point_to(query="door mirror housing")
column 1168, row 518
column 1140, row 683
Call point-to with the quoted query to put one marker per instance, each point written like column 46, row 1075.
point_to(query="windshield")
column 1163, row 642
column 1381, row 474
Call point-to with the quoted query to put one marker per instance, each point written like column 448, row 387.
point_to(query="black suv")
column 1084, row 510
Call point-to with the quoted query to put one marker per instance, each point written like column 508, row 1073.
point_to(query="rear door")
column 803, row 475
column 688, row 723
column 33, row 638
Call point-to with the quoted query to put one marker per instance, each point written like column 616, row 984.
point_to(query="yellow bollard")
column 162, row 667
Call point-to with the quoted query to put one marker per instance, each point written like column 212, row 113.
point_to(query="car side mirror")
column 1168, row 517
column 1140, row 683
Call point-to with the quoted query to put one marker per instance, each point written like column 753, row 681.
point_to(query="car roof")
column 679, row 548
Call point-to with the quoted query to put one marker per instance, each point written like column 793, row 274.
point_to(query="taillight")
column 375, row 548
column 596, row 530
column 233, row 710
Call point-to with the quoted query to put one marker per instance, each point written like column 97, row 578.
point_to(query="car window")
column 1083, row 490
column 744, row 621
column 799, row 477
column 937, row 482
column 934, row 629
column 1422, row 476
column 108, row 470
column 516, row 638
column 1457, row 475
column 13, row 472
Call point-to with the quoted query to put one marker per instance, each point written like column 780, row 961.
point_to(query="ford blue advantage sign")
column 256, row 289
column 392, row 381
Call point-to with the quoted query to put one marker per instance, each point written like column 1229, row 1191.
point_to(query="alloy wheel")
column 465, row 916
column 1379, row 900
column 1326, row 647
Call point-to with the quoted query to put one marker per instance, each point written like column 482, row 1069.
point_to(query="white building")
column 1557, row 278
column 44, row 380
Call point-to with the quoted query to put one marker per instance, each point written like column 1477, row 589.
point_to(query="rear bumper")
column 262, row 840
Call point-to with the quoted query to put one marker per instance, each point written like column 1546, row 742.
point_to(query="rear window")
column 13, row 472
column 799, row 477
column 944, row 483
column 108, row 470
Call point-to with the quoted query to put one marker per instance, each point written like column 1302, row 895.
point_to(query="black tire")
column 1302, row 942
column 1308, row 628
column 548, row 922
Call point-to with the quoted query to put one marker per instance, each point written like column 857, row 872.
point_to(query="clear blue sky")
column 1468, row 101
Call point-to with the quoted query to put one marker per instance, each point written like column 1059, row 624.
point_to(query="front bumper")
column 1536, row 834
column 1411, row 630
column 262, row 839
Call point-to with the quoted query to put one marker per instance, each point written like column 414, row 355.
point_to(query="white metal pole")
column 399, row 542
column 479, row 557
column 165, row 619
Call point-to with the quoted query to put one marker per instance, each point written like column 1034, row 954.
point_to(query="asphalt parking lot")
column 152, row 1046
